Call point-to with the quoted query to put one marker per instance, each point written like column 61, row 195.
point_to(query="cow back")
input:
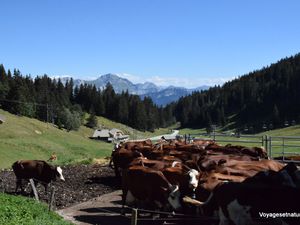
column 34, row 169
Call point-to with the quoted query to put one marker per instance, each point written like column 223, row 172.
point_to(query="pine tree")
column 4, row 87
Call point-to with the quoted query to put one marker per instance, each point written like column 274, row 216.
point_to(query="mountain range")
column 160, row 95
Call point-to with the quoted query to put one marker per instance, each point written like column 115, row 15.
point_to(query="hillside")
column 263, row 99
column 25, row 138
column 287, row 131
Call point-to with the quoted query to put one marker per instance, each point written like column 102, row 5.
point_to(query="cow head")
column 193, row 178
column 174, row 197
column 59, row 173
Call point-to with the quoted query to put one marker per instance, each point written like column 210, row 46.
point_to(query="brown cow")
column 245, row 203
column 149, row 186
column 237, row 150
column 136, row 144
column 210, row 162
column 233, row 170
column 252, row 167
column 121, row 158
column 36, row 169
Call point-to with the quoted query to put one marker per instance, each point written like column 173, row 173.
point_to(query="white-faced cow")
column 38, row 170
column 268, row 192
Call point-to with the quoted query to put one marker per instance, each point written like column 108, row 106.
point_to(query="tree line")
column 264, row 99
column 63, row 104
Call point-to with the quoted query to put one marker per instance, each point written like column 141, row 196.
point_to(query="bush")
column 70, row 120
column 92, row 121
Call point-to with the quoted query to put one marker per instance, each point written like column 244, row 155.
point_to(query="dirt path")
column 106, row 210
column 103, row 210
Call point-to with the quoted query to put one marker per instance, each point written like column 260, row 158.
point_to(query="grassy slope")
column 15, row 210
column 288, row 131
column 292, row 146
column 26, row 138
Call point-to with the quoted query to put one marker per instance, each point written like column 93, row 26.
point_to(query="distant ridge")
column 159, row 95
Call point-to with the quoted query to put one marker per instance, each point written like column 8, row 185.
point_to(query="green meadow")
column 16, row 210
column 27, row 138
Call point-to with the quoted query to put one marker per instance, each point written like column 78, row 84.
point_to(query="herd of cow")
column 235, row 184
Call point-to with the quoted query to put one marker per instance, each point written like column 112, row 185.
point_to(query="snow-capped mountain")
column 159, row 95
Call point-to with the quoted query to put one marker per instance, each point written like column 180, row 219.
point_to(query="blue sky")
column 179, row 42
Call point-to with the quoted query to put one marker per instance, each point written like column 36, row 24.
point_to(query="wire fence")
column 284, row 148
column 51, row 199
column 137, row 215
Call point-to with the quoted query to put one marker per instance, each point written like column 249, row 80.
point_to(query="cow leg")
column 27, row 185
column 111, row 164
column 124, row 195
column 117, row 172
column 19, row 184
column 128, row 199
column 223, row 220
column 46, row 187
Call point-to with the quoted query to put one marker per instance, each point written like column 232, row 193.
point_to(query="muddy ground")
column 83, row 182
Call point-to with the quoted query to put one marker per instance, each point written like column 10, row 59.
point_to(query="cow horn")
column 191, row 201
column 173, row 188
column 176, row 188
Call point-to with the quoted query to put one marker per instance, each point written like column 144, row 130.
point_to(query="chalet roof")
column 110, row 134
column 114, row 131
column 104, row 133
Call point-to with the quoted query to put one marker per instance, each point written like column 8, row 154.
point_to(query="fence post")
column 51, row 198
column 283, row 157
column 270, row 147
column 134, row 217
column 34, row 190
column 266, row 144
